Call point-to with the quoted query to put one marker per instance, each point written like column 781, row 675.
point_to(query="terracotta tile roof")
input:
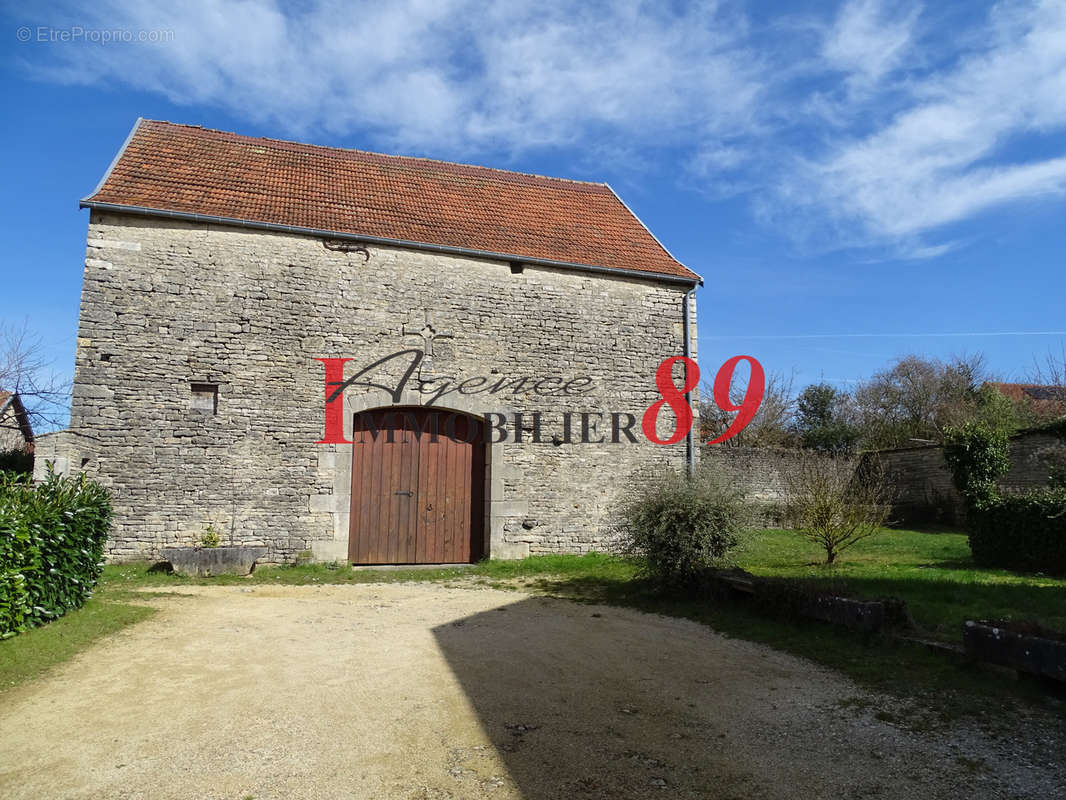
column 1033, row 391
column 1044, row 399
column 193, row 170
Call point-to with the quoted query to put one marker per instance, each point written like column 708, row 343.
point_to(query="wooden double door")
column 418, row 483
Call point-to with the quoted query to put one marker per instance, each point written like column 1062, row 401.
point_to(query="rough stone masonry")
column 172, row 311
column 225, row 276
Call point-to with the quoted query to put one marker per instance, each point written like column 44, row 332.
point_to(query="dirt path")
column 426, row 691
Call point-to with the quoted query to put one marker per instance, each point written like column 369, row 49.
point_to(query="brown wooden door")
column 417, row 487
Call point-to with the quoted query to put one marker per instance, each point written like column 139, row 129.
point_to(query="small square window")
column 205, row 397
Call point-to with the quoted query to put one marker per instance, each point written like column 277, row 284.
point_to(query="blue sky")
column 854, row 180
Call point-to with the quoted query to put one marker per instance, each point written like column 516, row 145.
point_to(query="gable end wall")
column 166, row 304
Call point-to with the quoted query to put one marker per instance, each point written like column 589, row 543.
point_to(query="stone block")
column 208, row 561
column 323, row 502
column 509, row 550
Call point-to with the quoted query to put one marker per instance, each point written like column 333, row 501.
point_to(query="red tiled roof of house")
column 1046, row 401
column 1030, row 391
column 167, row 167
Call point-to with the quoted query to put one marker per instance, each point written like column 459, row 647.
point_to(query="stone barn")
column 363, row 357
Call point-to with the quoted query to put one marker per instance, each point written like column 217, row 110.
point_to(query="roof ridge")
column 391, row 156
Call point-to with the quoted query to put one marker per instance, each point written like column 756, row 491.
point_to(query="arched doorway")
column 418, row 484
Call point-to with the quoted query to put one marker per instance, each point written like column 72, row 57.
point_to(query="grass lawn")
column 35, row 651
column 930, row 570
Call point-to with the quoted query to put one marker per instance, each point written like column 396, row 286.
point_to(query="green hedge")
column 51, row 547
column 1022, row 532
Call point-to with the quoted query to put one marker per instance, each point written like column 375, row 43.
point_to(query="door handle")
column 405, row 494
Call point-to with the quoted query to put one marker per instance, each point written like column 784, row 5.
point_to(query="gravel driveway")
column 432, row 691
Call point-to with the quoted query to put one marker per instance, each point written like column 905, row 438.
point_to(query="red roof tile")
column 193, row 170
column 1031, row 391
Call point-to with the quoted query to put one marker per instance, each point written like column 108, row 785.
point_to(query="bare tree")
column 771, row 426
column 1051, row 371
column 918, row 398
column 833, row 504
column 1045, row 398
column 26, row 371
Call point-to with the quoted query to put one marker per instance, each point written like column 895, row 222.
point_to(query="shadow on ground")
column 592, row 701
column 572, row 714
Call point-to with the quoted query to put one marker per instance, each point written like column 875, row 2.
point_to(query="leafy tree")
column 816, row 406
column 917, row 398
column 997, row 411
column 822, row 419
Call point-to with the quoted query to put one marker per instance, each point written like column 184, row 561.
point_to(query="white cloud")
column 453, row 75
column 876, row 125
column 946, row 155
column 867, row 41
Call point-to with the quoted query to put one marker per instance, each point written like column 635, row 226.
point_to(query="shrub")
column 835, row 505
column 16, row 460
column 679, row 526
column 210, row 537
column 1022, row 532
column 51, row 544
column 1056, row 474
column 977, row 455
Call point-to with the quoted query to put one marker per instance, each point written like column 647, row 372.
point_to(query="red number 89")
column 753, row 395
column 723, row 382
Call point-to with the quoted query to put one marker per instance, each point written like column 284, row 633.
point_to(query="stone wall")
column 1031, row 457
column 924, row 484
column 167, row 304
column 52, row 448
column 761, row 472
column 924, row 491
column 11, row 437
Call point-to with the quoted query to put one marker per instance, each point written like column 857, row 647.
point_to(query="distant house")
column 16, row 433
column 1046, row 402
